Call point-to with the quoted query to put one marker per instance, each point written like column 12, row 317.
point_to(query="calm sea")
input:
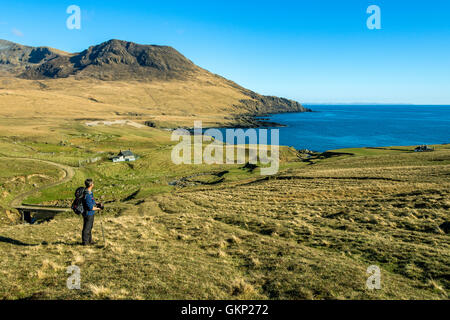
column 346, row 126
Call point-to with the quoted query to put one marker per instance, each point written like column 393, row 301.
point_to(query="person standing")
column 90, row 207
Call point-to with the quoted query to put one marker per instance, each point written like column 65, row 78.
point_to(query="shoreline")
column 264, row 120
column 251, row 121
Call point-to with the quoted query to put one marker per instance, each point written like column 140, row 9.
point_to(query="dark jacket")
column 89, row 203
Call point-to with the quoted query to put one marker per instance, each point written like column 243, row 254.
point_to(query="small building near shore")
column 125, row 156
column 423, row 148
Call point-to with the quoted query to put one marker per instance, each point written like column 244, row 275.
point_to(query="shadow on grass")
column 15, row 242
column 42, row 220
column 76, row 243
column 325, row 155
column 131, row 196
column 396, row 149
column 316, row 178
column 333, row 154
column 73, row 244
column 45, row 243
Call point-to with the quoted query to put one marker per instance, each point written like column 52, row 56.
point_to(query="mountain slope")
column 116, row 60
column 119, row 77
column 15, row 57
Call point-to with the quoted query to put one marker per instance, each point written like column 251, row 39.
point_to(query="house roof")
column 127, row 153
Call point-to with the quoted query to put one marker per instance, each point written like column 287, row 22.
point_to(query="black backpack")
column 77, row 205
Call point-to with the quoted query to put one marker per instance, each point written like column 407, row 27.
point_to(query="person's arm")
column 96, row 206
column 90, row 202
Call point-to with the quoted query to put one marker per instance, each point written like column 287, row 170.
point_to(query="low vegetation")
column 309, row 232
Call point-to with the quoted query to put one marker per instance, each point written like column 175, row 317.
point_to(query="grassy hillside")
column 165, row 103
column 19, row 176
column 310, row 232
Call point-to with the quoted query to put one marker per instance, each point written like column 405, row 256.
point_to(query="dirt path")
column 69, row 172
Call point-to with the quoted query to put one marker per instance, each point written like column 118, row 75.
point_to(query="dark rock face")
column 37, row 55
column 16, row 57
column 267, row 104
column 116, row 60
column 258, row 105
column 55, row 68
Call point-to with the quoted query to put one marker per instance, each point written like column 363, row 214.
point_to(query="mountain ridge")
column 119, row 60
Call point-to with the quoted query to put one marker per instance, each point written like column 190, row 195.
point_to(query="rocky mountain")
column 16, row 57
column 116, row 60
column 111, row 60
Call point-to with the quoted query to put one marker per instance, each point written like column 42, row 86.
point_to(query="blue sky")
column 310, row 50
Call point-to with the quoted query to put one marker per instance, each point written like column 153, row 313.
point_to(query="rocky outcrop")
column 16, row 58
column 116, row 60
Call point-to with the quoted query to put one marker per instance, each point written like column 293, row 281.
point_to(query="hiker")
column 90, row 206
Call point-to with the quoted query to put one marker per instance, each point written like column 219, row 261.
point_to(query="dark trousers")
column 86, row 234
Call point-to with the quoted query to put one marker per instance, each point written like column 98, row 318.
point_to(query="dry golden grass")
column 33, row 107
column 308, row 233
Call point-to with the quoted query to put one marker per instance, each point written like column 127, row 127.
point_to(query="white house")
column 124, row 156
